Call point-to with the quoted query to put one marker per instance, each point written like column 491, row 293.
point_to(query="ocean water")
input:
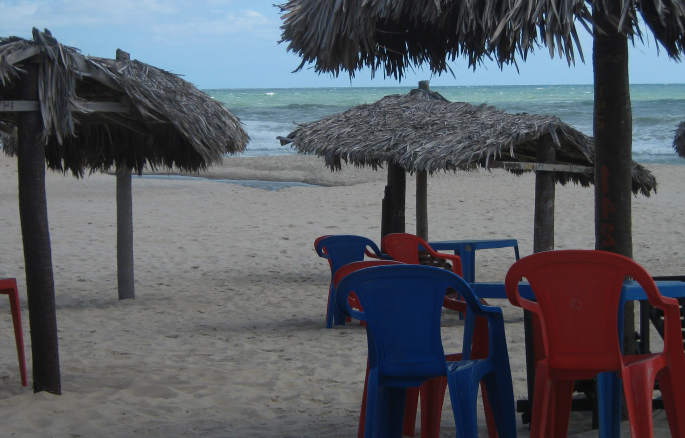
column 268, row 113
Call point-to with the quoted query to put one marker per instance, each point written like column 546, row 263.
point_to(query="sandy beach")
column 226, row 335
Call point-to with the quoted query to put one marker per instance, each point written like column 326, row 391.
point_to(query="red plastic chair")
column 404, row 247
column 8, row 286
column 578, row 293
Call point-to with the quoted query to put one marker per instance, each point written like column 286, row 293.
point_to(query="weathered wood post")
column 394, row 202
column 125, row 275
column 422, row 204
column 422, row 192
column 543, row 231
column 33, row 213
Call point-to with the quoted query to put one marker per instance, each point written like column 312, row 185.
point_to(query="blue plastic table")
column 608, row 384
column 466, row 250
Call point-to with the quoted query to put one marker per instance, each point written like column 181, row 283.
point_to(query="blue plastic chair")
column 401, row 307
column 341, row 250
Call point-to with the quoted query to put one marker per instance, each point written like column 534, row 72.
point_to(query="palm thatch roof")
column 392, row 35
column 98, row 113
column 423, row 131
column 679, row 140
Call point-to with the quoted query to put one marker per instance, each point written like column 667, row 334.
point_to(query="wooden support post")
column 124, row 234
column 33, row 215
column 422, row 204
column 543, row 233
column 125, row 275
column 394, row 201
column 422, row 192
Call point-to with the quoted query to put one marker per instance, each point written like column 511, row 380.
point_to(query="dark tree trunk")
column 124, row 234
column 33, row 212
column 613, row 149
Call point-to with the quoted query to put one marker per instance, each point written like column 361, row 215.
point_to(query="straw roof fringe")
column 679, row 140
column 392, row 35
column 423, row 131
column 169, row 122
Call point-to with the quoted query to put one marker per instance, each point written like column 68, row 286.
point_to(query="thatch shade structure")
column 393, row 35
column 155, row 118
column 679, row 140
column 422, row 130
column 81, row 113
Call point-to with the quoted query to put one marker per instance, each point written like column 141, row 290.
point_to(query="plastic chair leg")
column 411, row 402
column 362, row 412
column 561, row 398
column 489, row 417
column 432, row 396
column 8, row 287
column 541, row 401
column 674, row 405
column 638, row 386
column 389, row 413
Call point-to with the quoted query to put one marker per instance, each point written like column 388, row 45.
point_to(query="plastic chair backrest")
column 577, row 293
column 403, row 247
column 402, row 306
column 316, row 243
column 343, row 249
column 348, row 269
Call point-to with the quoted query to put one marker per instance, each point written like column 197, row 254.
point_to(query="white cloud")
column 160, row 20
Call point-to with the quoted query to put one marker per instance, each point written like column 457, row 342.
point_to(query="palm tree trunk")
column 124, row 234
column 613, row 149
column 33, row 212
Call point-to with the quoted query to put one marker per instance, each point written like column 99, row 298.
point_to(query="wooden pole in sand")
column 125, row 275
column 33, row 214
column 392, row 220
column 422, row 192
column 543, row 232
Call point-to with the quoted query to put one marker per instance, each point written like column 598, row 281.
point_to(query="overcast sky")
column 234, row 44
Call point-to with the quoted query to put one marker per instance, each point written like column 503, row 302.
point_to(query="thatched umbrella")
column 679, row 140
column 81, row 113
column 422, row 131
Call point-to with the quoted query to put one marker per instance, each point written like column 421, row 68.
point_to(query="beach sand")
column 226, row 335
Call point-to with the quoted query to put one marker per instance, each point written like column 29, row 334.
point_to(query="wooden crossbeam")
column 33, row 105
column 570, row 168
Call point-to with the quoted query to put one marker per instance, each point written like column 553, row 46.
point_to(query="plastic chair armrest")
column 672, row 324
column 453, row 258
column 456, row 305
column 321, row 251
column 356, row 314
column 375, row 253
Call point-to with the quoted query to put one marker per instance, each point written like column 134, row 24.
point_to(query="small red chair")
column 578, row 294
column 8, row 286
column 404, row 247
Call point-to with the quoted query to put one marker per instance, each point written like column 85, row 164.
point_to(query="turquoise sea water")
column 268, row 113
